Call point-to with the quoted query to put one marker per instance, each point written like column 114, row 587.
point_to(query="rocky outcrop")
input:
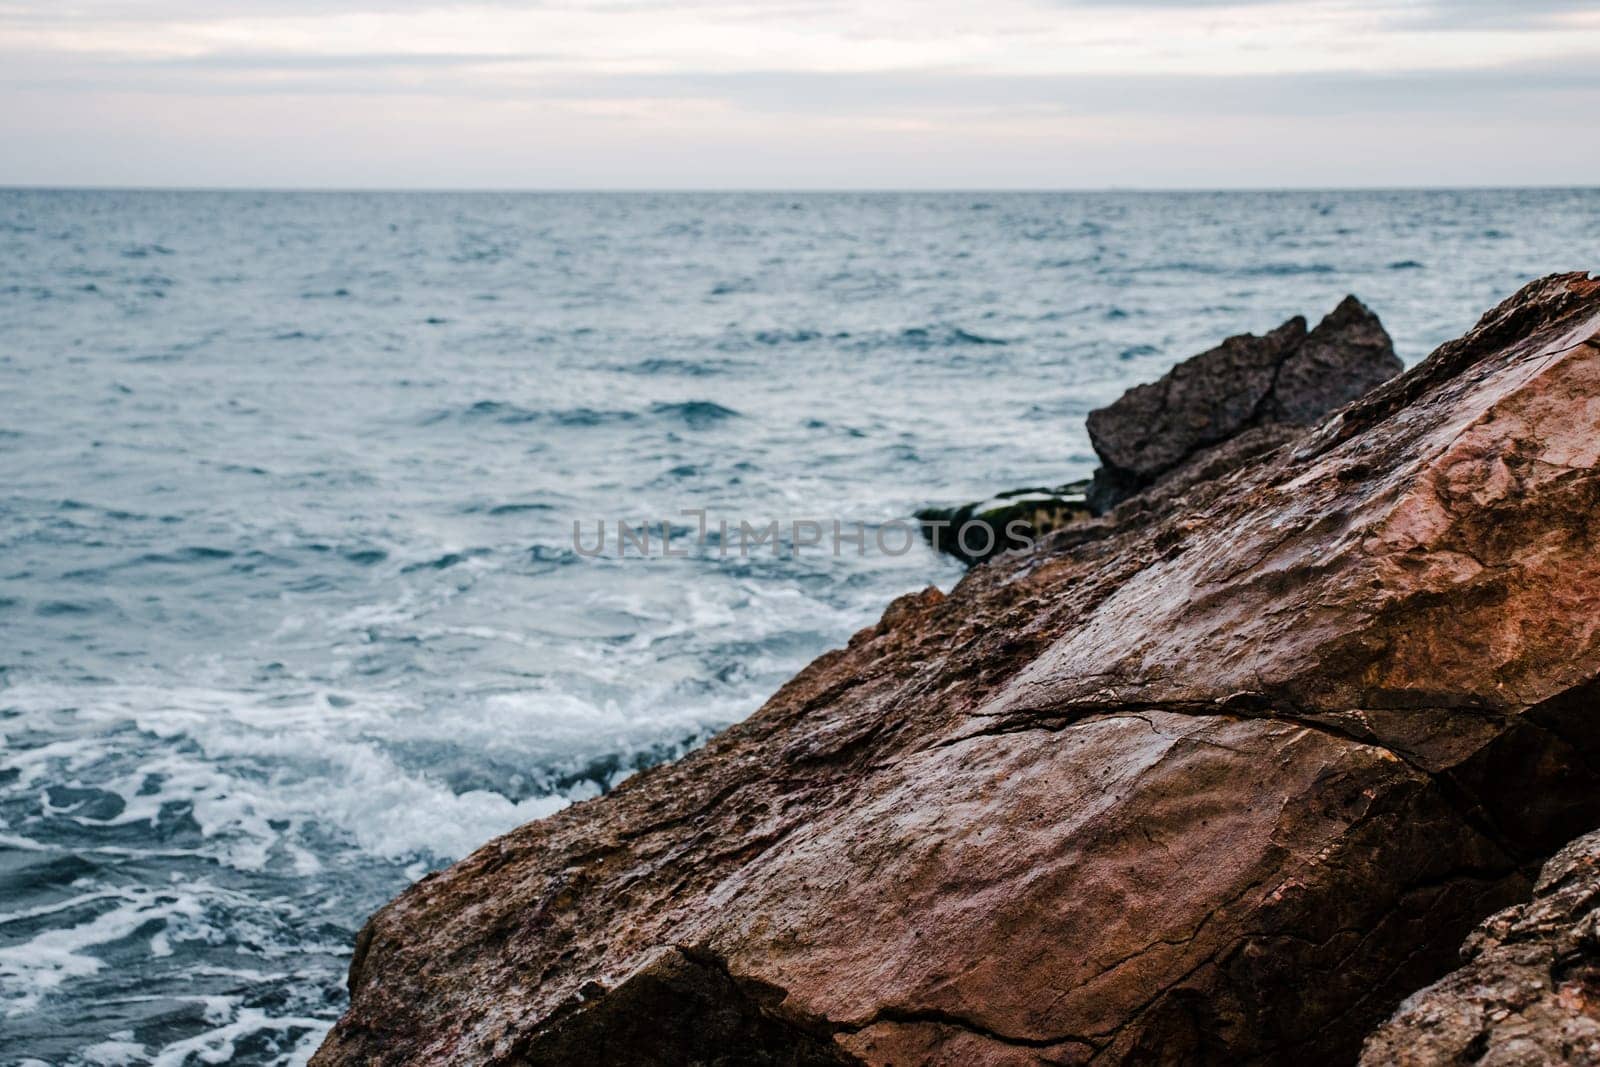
column 1529, row 993
column 1209, row 415
column 1286, row 377
column 1221, row 787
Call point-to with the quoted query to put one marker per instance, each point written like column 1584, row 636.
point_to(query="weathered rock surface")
column 1288, row 377
column 1221, row 787
column 1529, row 994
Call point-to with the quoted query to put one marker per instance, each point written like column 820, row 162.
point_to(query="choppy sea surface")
column 290, row 611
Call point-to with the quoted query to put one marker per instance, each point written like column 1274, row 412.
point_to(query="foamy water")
column 291, row 609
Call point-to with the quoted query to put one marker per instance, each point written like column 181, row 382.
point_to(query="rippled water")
column 289, row 602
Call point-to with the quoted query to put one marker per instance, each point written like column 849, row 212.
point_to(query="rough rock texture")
column 1218, row 788
column 1287, row 377
column 1529, row 993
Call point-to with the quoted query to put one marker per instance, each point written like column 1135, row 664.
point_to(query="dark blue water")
column 289, row 606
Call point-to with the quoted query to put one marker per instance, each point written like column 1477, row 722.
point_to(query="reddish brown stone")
column 1219, row 787
column 1528, row 993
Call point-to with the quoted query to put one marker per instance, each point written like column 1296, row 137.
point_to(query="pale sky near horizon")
column 799, row 93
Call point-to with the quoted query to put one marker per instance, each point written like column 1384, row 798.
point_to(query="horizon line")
column 8, row 187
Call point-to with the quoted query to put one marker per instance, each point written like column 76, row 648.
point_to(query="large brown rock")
column 1216, row 788
column 1529, row 993
column 1286, row 377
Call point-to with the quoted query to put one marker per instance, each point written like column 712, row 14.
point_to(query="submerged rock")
column 1288, row 377
column 1007, row 522
column 1218, row 786
column 1529, row 991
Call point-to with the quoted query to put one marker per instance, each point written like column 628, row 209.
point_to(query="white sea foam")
column 120, row 1051
column 219, row 1045
column 34, row 967
column 242, row 762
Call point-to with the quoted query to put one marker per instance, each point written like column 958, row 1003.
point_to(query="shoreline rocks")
column 1217, row 783
column 1287, row 376
column 1004, row 523
column 1528, row 993
column 1208, row 415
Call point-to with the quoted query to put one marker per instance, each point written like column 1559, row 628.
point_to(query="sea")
column 341, row 532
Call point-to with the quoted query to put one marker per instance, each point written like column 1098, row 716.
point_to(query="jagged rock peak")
column 1288, row 376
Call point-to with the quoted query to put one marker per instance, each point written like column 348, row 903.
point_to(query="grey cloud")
column 1396, row 14
column 948, row 91
column 1382, row 100
column 155, row 11
column 914, row 93
column 1193, row 4
column 1439, row 14
column 1488, row 14
column 289, row 63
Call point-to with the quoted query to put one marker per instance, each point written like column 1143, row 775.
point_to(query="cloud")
column 686, row 142
column 266, row 62
column 1307, row 95
column 929, row 95
column 1443, row 13
column 1016, row 37
column 1168, row 4
column 593, row 81
column 1481, row 15
column 161, row 11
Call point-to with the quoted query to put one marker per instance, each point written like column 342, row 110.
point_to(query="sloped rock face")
column 1529, row 993
column 1217, row 788
column 1287, row 377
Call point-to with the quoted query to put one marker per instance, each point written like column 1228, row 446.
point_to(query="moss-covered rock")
column 1011, row 520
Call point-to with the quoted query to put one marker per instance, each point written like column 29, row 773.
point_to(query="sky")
column 799, row 94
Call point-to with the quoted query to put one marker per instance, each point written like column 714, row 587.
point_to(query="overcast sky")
column 799, row 93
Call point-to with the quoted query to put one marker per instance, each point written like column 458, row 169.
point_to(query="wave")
column 51, row 609
column 683, row 367
column 192, row 554
column 506, row 413
column 1262, row 270
column 59, row 953
column 446, row 561
column 697, row 414
column 1287, row 270
column 756, row 341
column 585, row 417
column 943, row 337
column 785, row 337
column 518, row 508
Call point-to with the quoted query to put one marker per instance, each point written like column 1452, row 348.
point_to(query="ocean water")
column 290, row 607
